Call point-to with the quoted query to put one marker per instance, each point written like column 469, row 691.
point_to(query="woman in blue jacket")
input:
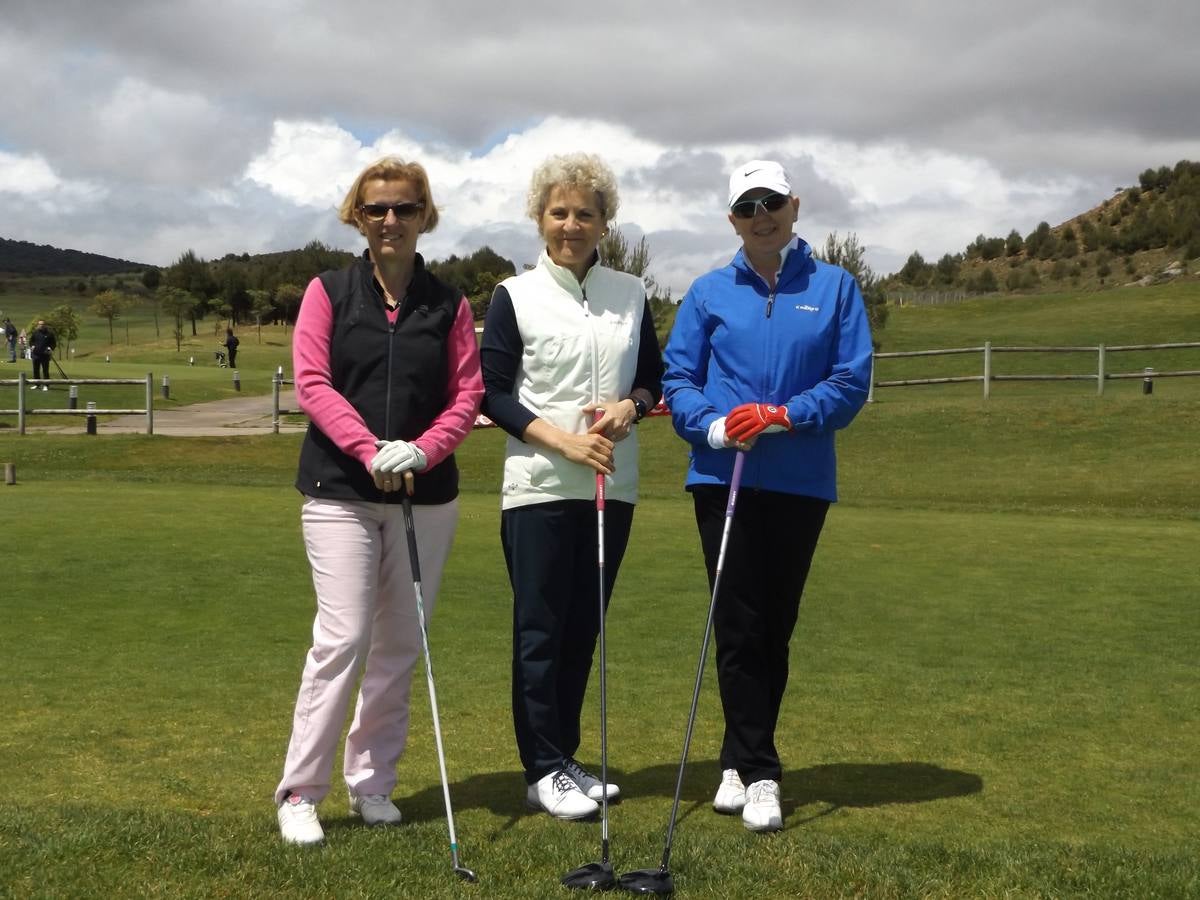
column 770, row 355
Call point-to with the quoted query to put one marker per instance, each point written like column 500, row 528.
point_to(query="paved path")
column 236, row 416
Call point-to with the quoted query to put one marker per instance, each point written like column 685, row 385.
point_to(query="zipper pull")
column 770, row 303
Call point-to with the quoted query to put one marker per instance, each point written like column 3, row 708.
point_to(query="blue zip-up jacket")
column 807, row 346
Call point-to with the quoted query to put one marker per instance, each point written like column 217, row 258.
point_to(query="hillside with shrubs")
column 1143, row 234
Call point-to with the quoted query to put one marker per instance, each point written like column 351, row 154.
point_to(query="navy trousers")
column 770, row 550
column 552, row 550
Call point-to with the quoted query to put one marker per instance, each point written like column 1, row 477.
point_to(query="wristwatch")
column 639, row 409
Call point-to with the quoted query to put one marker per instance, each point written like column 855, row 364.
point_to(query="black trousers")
column 551, row 550
column 41, row 364
column 771, row 545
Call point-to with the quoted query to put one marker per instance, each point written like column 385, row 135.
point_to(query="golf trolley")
column 219, row 356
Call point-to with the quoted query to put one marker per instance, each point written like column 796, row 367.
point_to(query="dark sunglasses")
column 377, row 212
column 748, row 209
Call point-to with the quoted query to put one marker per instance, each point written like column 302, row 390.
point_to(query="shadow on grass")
column 839, row 785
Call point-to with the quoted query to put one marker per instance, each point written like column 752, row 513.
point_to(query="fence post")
column 987, row 369
column 871, row 384
column 149, row 403
column 20, row 403
column 1100, row 370
column 275, row 379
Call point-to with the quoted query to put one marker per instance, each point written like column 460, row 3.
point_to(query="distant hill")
column 24, row 258
column 1142, row 234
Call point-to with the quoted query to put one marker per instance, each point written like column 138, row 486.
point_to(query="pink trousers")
column 366, row 623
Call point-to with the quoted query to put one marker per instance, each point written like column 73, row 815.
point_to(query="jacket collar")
column 799, row 258
column 565, row 278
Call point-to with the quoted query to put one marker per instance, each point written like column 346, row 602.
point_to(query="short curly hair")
column 581, row 170
column 389, row 168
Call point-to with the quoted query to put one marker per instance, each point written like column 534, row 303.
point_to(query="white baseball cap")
column 758, row 173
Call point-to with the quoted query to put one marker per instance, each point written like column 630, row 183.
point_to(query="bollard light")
column 106, row 358
column 166, row 387
column 1148, row 381
column 191, row 360
column 91, row 419
column 73, row 397
column 237, row 381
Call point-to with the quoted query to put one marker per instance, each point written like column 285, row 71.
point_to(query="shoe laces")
column 731, row 778
column 762, row 791
column 577, row 773
column 564, row 783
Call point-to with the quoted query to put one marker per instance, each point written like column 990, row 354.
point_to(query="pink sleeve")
column 320, row 401
column 464, row 387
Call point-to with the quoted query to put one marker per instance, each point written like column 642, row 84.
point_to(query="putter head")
column 597, row 876
column 465, row 874
column 647, row 881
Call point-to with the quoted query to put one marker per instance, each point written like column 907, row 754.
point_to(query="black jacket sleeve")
column 500, row 353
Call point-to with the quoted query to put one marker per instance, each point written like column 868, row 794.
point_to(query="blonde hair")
column 390, row 168
column 580, row 170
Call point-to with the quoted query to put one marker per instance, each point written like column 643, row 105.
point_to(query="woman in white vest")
column 570, row 365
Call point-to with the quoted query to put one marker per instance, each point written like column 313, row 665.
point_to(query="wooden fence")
column 1100, row 376
column 30, row 385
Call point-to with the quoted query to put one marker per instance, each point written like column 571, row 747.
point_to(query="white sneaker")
column 731, row 795
column 559, row 795
column 375, row 809
column 589, row 783
column 298, row 821
column 44, row 388
column 762, row 812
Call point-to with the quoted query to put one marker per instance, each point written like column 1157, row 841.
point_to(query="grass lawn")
column 993, row 689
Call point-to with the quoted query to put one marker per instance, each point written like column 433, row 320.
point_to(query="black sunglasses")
column 748, row 209
column 377, row 212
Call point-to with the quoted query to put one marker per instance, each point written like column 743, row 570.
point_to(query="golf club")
column 658, row 881
column 599, row 876
column 54, row 360
column 459, row 870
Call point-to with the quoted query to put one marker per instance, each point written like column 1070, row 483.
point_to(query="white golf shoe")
column 375, row 809
column 731, row 795
column 298, row 821
column 589, row 783
column 559, row 795
column 762, row 812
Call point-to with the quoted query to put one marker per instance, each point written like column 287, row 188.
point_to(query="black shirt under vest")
column 395, row 375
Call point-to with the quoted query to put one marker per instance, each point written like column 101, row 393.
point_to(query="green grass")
column 993, row 689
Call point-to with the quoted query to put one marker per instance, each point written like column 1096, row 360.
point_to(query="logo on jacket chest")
column 804, row 307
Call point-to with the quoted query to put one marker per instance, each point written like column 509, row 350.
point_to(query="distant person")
column 387, row 370
column 23, row 344
column 10, row 338
column 769, row 355
column 562, row 342
column 41, row 346
column 231, row 345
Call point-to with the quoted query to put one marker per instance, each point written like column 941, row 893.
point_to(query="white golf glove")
column 398, row 456
column 716, row 434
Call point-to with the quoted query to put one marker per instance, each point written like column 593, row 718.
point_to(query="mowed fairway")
column 994, row 686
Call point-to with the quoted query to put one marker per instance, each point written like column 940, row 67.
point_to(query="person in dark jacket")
column 10, row 338
column 231, row 345
column 387, row 370
column 769, row 355
column 41, row 346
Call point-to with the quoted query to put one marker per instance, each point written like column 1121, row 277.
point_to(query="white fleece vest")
column 581, row 344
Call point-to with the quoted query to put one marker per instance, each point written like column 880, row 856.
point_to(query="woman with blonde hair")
column 570, row 365
column 387, row 370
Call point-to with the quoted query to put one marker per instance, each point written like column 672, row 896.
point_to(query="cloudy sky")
column 143, row 129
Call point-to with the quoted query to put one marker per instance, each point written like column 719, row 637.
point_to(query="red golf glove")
column 750, row 419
